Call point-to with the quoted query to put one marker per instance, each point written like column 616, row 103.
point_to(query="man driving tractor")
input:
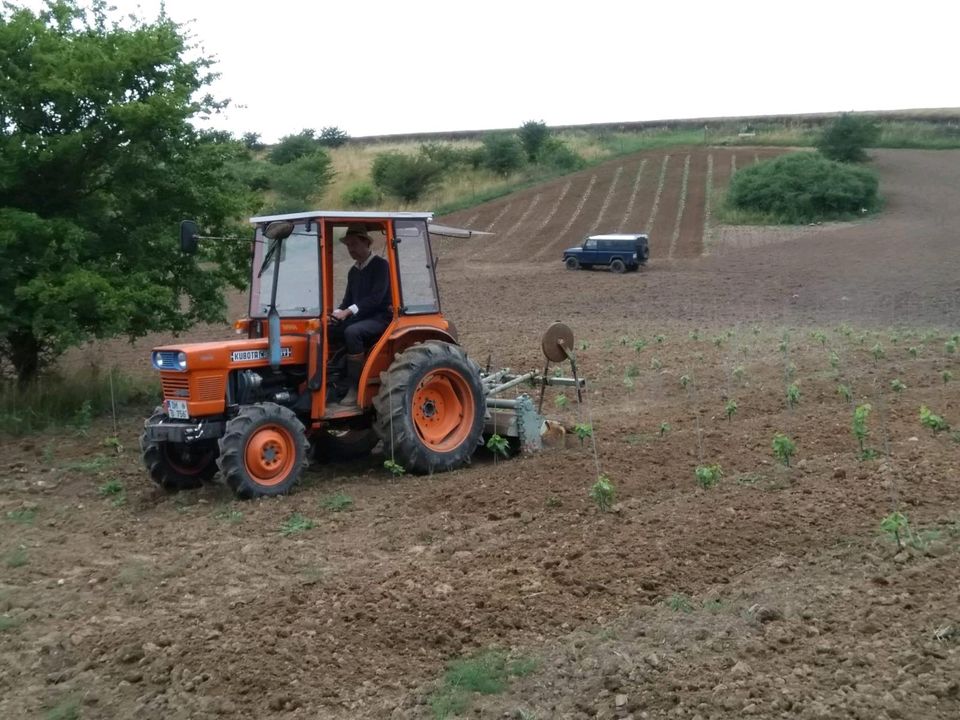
column 365, row 311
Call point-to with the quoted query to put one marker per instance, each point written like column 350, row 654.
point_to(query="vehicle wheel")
column 430, row 408
column 263, row 451
column 338, row 445
column 572, row 263
column 617, row 266
column 178, row 466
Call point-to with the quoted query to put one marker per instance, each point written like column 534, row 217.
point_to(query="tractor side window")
column 417, row 282
column 298, row 289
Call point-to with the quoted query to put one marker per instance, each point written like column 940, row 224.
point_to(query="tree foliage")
column 294, row 147
column 407, row 177
column 803, row 187
column 299, row 183
column 333, row 137
column 846, row 137
column 533, row 134
column 98, row 163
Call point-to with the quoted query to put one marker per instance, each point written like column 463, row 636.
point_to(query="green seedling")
column 655, row 364
column 498, row 445
column 897, row 527
column 553, row 502
column 678, row 602
column 844, row 392
column 603, row 493
column 684, row 381
column 583, row 431
column 861, row 339
column 914, row 352
column 739, row 373
column 629, row 382
column 932, row 421
column 950, row 346
column 834, row 359
column 111, row 488
column 229, row 516
column 860, row 430
column 783, row 448
column 639, row 344
column 708, row 475
column 730, row 409
column 897, row 386
column 394, row 468
column 338, row 502
column 632, row 371
column 561, row 401
column 16, row 558
column 694, row 334
column 877, row 352
column 819, row 337
column 664, row 428
column 894, row 339
column 845, row 330
column 790, row 370
column 782, row 345
column 113, row 442
column 660, row 339
column 296, row 524
column 718, row 341
column 624, row 340
column 793, row 394
column 584, row 345
column 947, row 376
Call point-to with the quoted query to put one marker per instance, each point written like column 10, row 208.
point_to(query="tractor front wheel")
column 177, row 466
column 430, row 408
column 263, row 451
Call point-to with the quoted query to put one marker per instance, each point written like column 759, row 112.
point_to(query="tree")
column 502, row 153
column 251, row 141
column 299, row 182
column 98, row 163
column 292, row 147
column 333, row 137
column 846, row 137
column 533, row 134
column 407, row 177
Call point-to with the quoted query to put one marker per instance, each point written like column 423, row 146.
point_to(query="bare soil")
column 773, row 594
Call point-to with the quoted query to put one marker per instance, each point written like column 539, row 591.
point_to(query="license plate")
column 177, row 409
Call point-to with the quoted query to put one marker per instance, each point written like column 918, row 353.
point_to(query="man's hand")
column 341, row 314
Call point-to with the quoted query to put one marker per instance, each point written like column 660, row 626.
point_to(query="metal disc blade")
column 557, row 337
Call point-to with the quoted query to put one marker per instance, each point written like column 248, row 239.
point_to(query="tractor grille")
column 210, row 387
column 176, row 386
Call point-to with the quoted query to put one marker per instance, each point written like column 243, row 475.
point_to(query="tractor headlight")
column 182, row 360
column 157, row 360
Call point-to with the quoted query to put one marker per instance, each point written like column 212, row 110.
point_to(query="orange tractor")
column 253, row 407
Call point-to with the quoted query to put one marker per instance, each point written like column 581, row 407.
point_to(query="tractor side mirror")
column 189, row 237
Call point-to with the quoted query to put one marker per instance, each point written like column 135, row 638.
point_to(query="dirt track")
column 197, row 606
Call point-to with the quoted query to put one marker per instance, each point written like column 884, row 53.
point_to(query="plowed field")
column 774, row 594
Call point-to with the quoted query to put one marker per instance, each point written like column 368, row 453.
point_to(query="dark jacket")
column 369, row 290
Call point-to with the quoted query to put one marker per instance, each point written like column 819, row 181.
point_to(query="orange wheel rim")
column 443, row 410
column 271, row 453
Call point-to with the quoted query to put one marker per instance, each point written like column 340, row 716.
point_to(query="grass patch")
column 16, row 558
column 296, row 524
column 64, row 710
column 227, row 515
column 23, row 515
column 678, row 602
column 69, row 400
column 92, row 465
column 338, row 503
column 487, row 672
column 8, row 623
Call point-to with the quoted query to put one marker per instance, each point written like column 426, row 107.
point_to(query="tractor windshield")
column 298, row 289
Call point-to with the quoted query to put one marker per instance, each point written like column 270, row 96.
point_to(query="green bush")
column 503, row 154
column 448, row 156
column 846, row 137
column 332, row 137
column 300, row 180
column 407, row 177
column 803, row 187
column 556, row 154
column 360, row 194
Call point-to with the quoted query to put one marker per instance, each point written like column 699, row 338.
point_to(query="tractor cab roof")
column 342, row 215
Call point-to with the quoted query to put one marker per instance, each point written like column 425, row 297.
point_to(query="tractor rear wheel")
column 572, row 263
column 617, row 266
column 430, row 408
column 177, row 466
column 263, row 451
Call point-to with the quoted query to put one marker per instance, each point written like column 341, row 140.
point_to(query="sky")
column 372, row 67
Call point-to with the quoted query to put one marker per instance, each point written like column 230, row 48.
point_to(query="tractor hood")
column 229, row 354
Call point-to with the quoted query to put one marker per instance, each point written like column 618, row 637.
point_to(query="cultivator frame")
column 519, row 418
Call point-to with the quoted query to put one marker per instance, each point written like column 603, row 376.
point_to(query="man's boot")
column 354, row 368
